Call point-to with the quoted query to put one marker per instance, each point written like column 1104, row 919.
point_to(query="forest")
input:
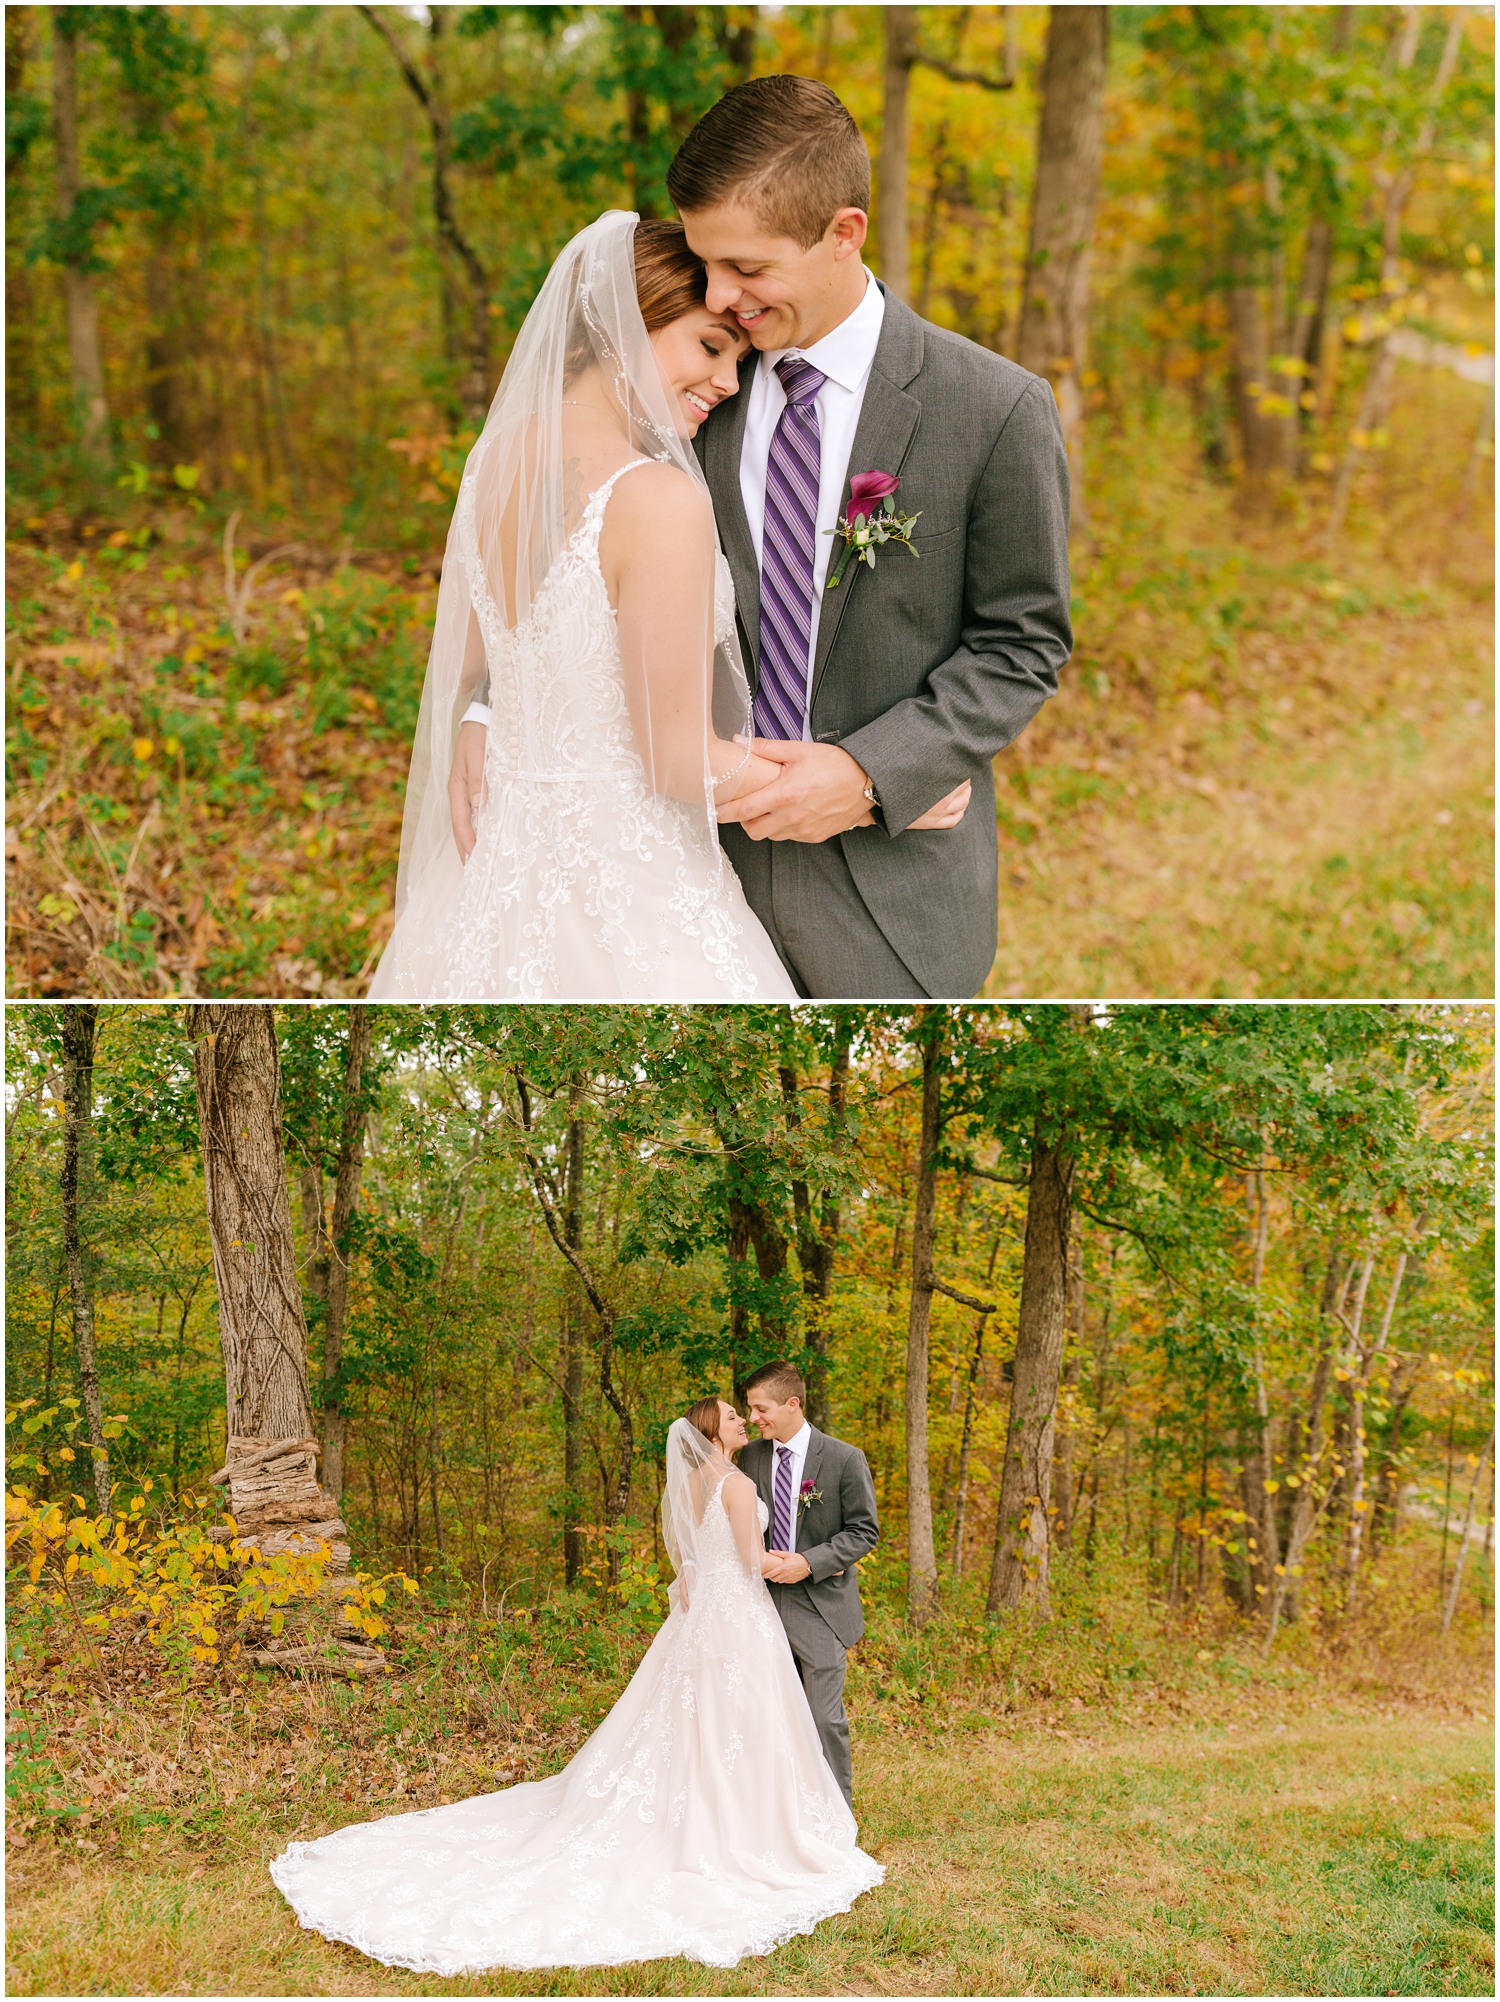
column 263, row 270
column 1166, row 1330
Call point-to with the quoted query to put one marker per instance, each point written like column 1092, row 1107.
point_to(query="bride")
column 700, row 1819
column 584, row 597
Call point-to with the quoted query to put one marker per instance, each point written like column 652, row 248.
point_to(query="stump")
column 277, row 1505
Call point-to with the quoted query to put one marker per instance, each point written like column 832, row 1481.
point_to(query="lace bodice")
column 563, row 725
column 584, row 883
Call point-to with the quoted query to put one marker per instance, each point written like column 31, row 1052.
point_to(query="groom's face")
column 776, row 1421
column 781, row 295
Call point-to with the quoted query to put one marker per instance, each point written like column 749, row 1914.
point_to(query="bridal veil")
column 526, row 485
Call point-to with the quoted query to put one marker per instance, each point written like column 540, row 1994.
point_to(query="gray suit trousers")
column 804, row 895
column 821, row 1660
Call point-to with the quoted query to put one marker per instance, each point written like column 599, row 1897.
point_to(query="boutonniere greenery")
column 871, row 519
column 809, row 1494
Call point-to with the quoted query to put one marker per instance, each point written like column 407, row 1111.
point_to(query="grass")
column 1347, row 1856
column 1127, row 1801
column 1268, row 772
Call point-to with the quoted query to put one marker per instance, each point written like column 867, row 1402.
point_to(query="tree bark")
column 270, row 1459
column 1052, row 338
column 1063, row 1468
column 573, row 1346
column 1019, row 1575
column 82, row 303
column 1364, row 1370
column 961, row 1505
column 1260, row 1502
column 1305, row 1509
column 345, row 1202
column 473, row 354
column 1375, row 403
column 818, row 1229
column 79, row 1025
column 895, row 150
column 922, row 1588
column 1451, row 1602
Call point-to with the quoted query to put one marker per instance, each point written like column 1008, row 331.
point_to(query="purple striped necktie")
column 788, row 545
column 783, row 1498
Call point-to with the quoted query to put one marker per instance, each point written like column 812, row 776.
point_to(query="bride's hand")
column 752, row 775
column 949, row 810
column 466, row 784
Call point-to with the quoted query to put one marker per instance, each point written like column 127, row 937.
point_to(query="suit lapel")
column 763, row 1489
column 810, row 1469
column 887, row 424
column 724, row 436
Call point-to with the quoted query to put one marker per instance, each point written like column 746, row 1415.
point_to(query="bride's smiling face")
column 733, row 1431
column 699, row 358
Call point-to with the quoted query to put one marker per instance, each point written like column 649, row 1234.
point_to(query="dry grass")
column 1131, row 1804
column 1343, row 1857
column 1267, row 773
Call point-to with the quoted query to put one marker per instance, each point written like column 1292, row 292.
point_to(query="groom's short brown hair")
column 781, row 1379
column 785, row 147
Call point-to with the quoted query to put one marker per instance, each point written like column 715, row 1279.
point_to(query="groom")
column 872, row 860
column 822, row 1521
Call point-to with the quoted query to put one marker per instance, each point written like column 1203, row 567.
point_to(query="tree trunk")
column 895, row 150
column 474, row 361
column 345, row 1202
column 573, row 1307
column 1364, row 1370
column 84, row 358
column 921, row 1589
column 1052, row 338
column 1019, row 1575
column 79, row 1025
column 1375, row 404
column 961, row 1506
column 1063, row 1469
column 818, row 1229
column 1451, row 1601
column 22, row 374
column 1386, row 1516
column 270, row 1457
column 1260, row 1501
column 1305, row 1510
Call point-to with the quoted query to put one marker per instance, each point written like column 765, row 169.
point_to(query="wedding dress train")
column 700, row 1819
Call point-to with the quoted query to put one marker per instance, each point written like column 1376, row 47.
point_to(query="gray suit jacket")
column 923, row 670
column 832, row 1534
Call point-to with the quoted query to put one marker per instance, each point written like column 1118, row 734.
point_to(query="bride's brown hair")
column 669, row 280
column 705, row 1417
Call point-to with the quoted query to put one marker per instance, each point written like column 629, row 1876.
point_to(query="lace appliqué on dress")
column 570, row 826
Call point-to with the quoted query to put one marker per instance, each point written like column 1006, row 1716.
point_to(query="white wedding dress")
column 700, row 1819
column 584, row 884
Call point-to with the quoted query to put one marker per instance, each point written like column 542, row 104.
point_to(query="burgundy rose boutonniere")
column 809, row 1494
column 871, row 519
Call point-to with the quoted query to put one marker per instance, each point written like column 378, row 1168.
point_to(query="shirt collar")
column 845, row 354
column 799, row 1441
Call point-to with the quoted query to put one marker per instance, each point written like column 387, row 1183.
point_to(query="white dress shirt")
column 844, row 358
column 799, row 1444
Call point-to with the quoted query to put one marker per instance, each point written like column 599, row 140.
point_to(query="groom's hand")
column 466, row 784
column 820, row 793
column 784, row 1567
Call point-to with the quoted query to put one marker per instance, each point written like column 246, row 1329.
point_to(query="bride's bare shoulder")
column 657, row 505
